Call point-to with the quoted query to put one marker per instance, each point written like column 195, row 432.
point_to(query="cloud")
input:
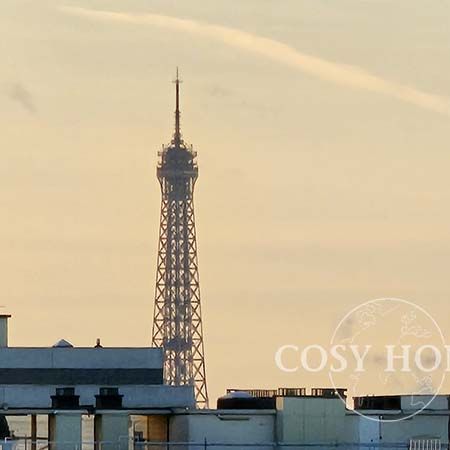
column 341, row 74
column 20, row 94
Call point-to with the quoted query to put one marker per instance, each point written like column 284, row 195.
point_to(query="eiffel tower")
column 177, row 321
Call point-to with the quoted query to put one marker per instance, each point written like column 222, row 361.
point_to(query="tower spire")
column 177, row 320
column 177, row 135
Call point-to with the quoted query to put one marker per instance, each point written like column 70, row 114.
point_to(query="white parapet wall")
column 80, row 358
column 381, row 428
column 312, row 419
column 238, row 427
column 135, row 396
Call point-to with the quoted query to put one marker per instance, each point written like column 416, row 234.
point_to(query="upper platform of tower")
column 177, row 158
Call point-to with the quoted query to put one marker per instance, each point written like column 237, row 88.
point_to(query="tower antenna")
column 177, row 135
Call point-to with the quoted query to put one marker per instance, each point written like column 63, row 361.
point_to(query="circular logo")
column 387, row 347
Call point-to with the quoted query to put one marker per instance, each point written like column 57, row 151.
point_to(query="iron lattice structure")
column 177, row 322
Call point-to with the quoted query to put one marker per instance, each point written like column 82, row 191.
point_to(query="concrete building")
column 430, row 424
column 313, row 418
column 297, row 419
column 254, row 429
column 123, row 389
column 30, row 377
column 66, row 382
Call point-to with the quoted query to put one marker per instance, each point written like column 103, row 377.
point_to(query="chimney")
column 4, row 330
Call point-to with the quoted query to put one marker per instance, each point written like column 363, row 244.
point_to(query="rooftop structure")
column 32, row 378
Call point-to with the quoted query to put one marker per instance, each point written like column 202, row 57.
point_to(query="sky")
column 323, row 137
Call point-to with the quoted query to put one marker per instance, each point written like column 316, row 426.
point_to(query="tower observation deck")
column 177, row 321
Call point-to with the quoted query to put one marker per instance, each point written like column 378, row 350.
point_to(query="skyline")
column 331, row 195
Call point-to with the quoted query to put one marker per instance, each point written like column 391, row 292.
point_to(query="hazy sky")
column 323, row 134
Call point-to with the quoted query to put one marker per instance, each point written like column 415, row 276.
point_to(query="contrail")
column 342, row 74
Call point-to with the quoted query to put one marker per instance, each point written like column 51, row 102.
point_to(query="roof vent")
column 245, row 400
column 63, row 343
column 65, row 398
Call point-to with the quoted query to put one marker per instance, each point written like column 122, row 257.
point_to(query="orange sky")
column 323, row 142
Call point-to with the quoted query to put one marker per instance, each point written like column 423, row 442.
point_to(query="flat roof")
column 226, row 412
column 44, row 411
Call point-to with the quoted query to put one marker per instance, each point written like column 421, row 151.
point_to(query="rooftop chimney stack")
column 4, row 330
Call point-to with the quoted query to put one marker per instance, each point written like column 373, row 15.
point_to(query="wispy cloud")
column 342, row 74
column 20, row 94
